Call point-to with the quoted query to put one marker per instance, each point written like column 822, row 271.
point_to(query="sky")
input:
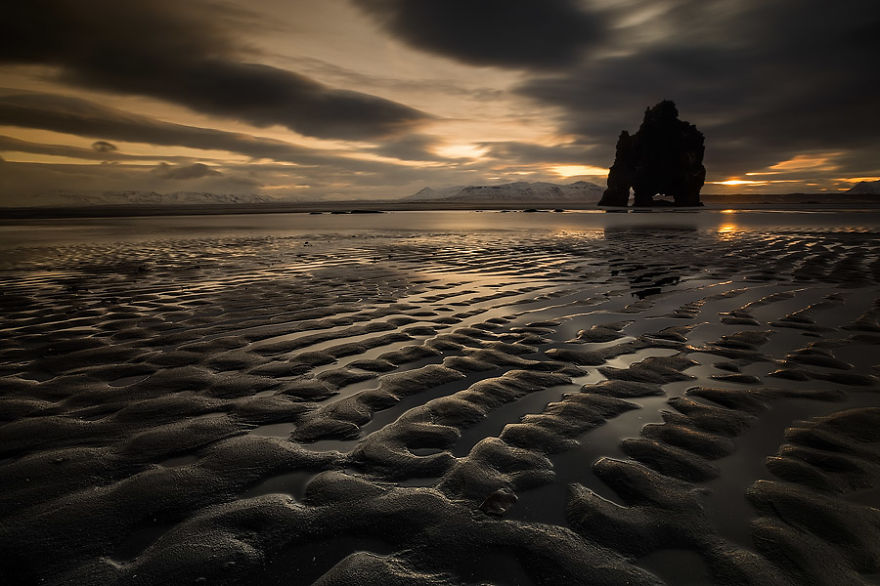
column 375, row 99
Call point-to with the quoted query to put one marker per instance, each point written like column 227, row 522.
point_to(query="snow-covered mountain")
column 146, row 198
column 868, row 187
column 431, row 194
column 521, row 191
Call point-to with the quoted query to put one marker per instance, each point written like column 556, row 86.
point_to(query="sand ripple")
column 443, row 409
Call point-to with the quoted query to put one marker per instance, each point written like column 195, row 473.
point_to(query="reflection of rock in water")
column 648, row 232
column 638, row 244
column 664, row 157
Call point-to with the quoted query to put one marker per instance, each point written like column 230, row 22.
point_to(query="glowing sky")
column 346, row 99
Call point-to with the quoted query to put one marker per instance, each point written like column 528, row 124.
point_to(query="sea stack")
column 665, row 157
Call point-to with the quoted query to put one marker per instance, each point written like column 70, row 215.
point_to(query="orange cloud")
column 857, row 179
column 818, row 162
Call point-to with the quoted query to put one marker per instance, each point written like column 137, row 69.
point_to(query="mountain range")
column 115, row 198
column 866, row 187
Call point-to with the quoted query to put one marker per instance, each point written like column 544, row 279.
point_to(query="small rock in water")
column 499, row 502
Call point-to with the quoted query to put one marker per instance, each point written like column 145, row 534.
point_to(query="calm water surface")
column 50, row 232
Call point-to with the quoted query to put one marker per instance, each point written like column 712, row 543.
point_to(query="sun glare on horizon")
column 739, row 182
column 579, row 170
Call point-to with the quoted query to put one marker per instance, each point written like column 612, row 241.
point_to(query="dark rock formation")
column 664, row 157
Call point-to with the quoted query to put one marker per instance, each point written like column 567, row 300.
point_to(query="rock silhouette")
column 664, row 157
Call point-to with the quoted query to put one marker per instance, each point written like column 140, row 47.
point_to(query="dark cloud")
column 102, row 146
column 76, row 116
column 8, row 143
column 182, row 172
column 187, row 53
column 260, row 95
column 506, row 33
column 323, row 170
column 81, row 117
column 414, row 147
column 764, row 83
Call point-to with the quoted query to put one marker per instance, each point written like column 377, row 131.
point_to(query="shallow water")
column 723, row 221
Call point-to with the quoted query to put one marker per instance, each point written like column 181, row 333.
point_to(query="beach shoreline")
column 739, row 201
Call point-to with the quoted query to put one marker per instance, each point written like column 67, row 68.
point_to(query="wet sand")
column 458, row 398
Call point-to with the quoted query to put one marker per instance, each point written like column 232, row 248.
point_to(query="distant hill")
column 866, row 187
column 521, row 191
column 113, row 198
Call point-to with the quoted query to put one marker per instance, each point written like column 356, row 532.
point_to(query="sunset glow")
column 461, row 151
column 269, row 97
column 579, row 170
column 808, row 162
column 739, row 182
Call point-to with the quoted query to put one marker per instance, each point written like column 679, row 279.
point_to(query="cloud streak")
column 81, row 117
column 171, row 51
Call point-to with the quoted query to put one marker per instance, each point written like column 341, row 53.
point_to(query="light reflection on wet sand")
column 438, row 356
